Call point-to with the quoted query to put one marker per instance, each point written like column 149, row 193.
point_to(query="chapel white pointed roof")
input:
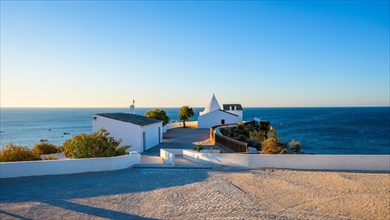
column 212, row 106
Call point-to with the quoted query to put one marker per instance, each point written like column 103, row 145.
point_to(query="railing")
column 231, row 144
column 227, row 142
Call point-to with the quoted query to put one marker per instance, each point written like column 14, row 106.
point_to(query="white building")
column 213, row 114
column 234, row 109
column 141, row 132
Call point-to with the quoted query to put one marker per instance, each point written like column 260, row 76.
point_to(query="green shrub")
column 51, row 158
column 44, row 148
column 242, row 138
column 198, row 147
column 225, row 131
column 60, row 149
column 98, row 144
column 240, row 124
column 272, row 146
column 272, row 133
column 248, row 128
column 296, row 146
column 254, row 143
column 259, row 135
column 12, row 153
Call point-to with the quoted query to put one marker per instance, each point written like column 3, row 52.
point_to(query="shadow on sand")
column 58, row 190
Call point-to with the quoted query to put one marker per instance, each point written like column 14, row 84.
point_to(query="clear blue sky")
column 168, row 54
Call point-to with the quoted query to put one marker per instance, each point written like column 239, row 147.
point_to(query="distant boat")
column 43, row 140
column 66, row 133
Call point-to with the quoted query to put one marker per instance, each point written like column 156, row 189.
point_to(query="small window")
column 222, row 121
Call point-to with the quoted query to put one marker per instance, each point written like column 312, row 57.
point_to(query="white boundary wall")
column 179, row 125
column 68, row 166
column 294, row 161
column 168, row 155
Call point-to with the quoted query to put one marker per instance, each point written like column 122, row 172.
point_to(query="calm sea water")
column 320, row 130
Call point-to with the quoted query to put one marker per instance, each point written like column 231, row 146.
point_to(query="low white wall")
column 174, row 151
column 227, row 159
column 68, row 166
column 179, row 125
column 169, row 155
column 294, row 161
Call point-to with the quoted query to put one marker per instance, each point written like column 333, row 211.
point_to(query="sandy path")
column 329, row 195
column 220, row 193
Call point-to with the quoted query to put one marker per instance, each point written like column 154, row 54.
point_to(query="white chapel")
column 213, row 114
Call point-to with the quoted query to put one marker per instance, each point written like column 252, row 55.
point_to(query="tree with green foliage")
column 185, row 114
column 158, row 114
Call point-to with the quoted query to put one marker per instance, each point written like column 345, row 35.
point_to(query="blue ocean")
column 352, row 130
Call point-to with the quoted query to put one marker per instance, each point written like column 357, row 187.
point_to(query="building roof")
column 226, row 107
column 212, row 106
column 227, row 112
column 130, row 118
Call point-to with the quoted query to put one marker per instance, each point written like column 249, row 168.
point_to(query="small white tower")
column 132, row 108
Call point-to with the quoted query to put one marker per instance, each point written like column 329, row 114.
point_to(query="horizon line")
column 352, row 106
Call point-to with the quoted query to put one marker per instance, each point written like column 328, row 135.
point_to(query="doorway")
column 159, row 135
column 144, row 140
column 222, row 121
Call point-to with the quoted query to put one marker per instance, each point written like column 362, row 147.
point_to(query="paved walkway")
column 178, row 138
column 184, row 138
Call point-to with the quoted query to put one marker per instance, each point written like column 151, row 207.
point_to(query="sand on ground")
column 217, row 193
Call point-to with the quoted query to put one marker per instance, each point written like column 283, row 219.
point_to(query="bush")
column 198, row 147
column 272, row 146
column 12, row 153
column 240, row 124
column 260, row 135
column 51, row 158
column 248, row 128
column 44, row 148
column 60, row 149
column 295, row 145
column 98, row 144
column 225, row 131
column 242, row 138
column 272, row 133
column 254, row 143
